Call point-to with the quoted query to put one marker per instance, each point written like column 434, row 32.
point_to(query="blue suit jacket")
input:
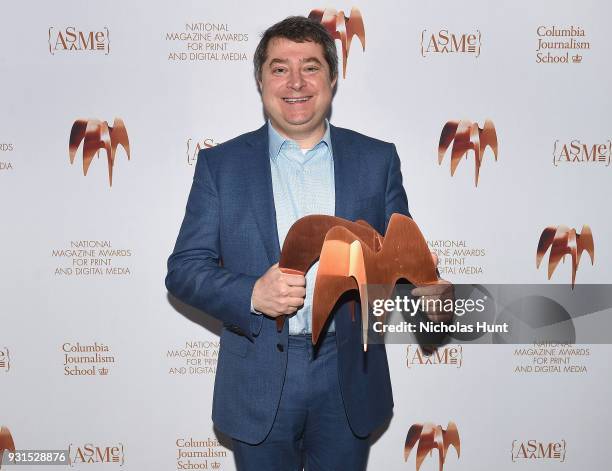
column 228, row 239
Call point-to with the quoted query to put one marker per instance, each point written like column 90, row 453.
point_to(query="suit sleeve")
column 395, row 195
column 195, row 275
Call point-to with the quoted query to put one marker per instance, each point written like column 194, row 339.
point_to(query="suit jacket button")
column 280, row 347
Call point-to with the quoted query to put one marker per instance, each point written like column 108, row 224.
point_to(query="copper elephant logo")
column 97, row 135
column 341, row 27
column 431, row 437
column 467, row 136
column 6, row 442
column 565, row 241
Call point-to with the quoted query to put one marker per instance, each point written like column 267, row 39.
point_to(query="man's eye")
column 278, row 70
column 312, row 68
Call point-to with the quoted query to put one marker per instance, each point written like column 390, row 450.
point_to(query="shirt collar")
column 276, row 141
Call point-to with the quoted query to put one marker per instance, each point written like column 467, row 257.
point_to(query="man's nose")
column 296, row 81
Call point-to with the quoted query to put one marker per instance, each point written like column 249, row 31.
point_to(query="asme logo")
column 445, row 42
column 450, row 355
column 536, row 450
column 70, row 39
column 5, row 360
column 194, row 147
column 92, row 454
column 577, row 152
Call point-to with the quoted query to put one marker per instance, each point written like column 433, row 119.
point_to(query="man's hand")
column 277, row 293
column 441, row 290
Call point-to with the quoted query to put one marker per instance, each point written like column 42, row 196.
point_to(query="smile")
column 297, row 100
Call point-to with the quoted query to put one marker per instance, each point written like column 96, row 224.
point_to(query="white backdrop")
column 146, row 402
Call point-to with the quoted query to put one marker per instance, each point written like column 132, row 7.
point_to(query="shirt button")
column 280, row 347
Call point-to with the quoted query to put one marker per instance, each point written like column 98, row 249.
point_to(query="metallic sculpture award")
column 354, row 256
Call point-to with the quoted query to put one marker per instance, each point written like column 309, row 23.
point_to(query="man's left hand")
column 441, row 290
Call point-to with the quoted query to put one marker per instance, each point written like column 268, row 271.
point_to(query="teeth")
column 295, row 100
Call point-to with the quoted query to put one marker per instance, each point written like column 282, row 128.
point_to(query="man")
column 276, row 395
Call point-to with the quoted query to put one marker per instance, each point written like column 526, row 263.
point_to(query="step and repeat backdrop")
column 500, row 112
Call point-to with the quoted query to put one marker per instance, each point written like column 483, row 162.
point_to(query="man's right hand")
column 277, row 293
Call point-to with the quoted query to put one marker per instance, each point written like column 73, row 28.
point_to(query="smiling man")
column 282, row 401
column 296, row 86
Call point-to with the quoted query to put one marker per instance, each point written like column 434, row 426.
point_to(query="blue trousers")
column 310, row 428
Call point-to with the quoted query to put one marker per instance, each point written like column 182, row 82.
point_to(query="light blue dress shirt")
column 303, row 184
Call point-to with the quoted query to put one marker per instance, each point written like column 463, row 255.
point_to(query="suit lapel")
column 259, row 178
column 261, row 195
column 343, row 182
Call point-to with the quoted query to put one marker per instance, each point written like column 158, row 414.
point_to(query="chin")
column 294, row 123
column 299, row 122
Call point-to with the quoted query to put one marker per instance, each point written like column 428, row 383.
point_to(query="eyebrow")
column 285, row 61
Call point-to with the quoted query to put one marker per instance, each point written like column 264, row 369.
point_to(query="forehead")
column 285, row 49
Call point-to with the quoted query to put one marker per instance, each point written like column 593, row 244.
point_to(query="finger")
column 297, row 292
column 294, row 280
column 440, row 317
column 288, row 310
column 435, row 308
column 295, row 302
column 433, row 289
column 433, row 300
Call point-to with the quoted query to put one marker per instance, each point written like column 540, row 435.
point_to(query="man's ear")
column 334, row 81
